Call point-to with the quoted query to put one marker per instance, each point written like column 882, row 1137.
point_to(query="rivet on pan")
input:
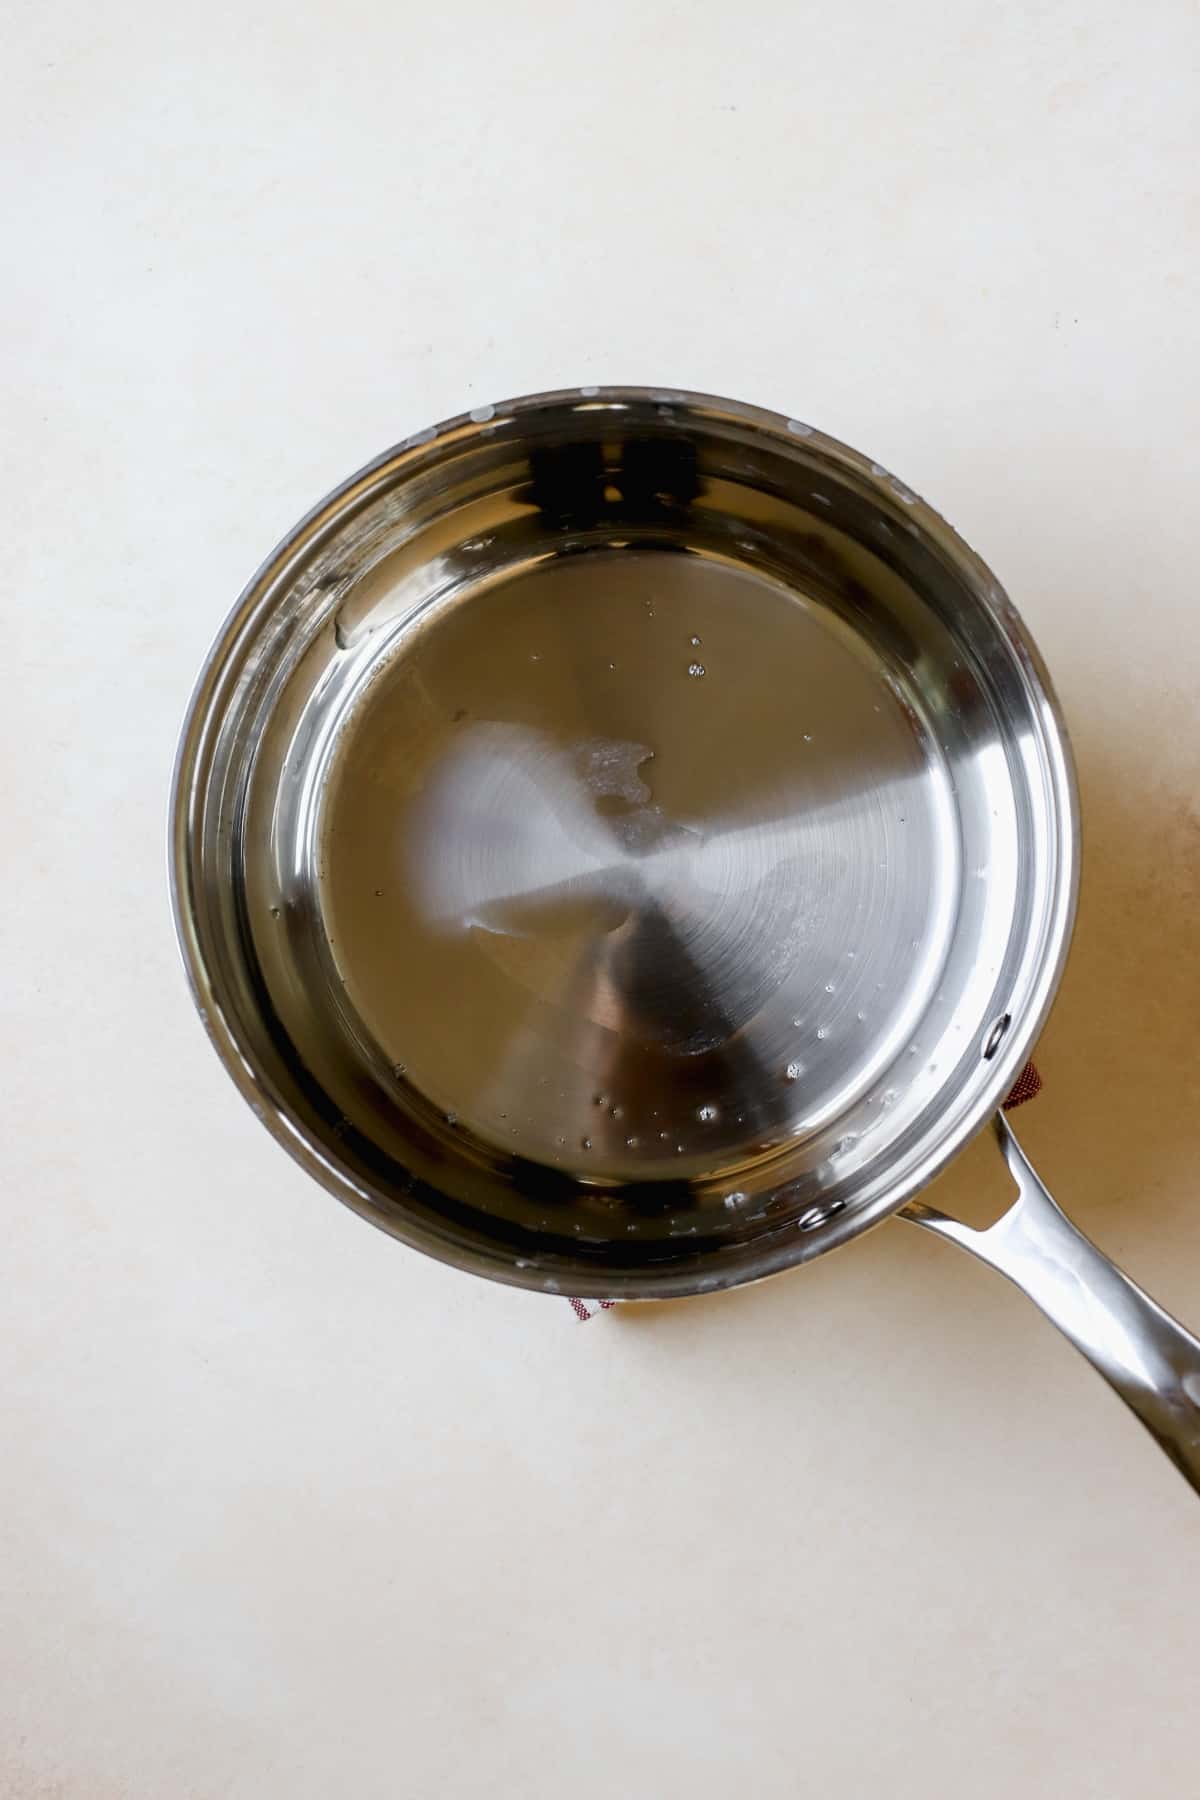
column 819, row 1214
column 995, row 1036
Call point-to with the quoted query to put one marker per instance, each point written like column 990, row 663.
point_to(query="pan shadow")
column 1115, row 1134
column 1119, row 1132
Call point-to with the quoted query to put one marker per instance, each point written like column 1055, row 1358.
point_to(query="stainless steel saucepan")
column 625, row 843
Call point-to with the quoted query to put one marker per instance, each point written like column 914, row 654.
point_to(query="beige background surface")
column 286, row 1510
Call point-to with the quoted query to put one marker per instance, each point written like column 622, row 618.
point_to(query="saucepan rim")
column 203, row 720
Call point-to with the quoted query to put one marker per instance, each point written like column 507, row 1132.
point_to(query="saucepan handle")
column 1151, row 1361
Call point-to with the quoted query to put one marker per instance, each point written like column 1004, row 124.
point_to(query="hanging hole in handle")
column 995, row 1036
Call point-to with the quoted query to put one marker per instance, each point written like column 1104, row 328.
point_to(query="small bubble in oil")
column 452, row 1118
column 599, row 1099
column 616, row 1111
column 822, row 1031
column 631, row 1143
column 695, row 670
column 794, row 1071
column 706, row 1114
column 585, row 1143
column 695, row 642
column 829, row 987
column 735, row 1199
column 274, row 912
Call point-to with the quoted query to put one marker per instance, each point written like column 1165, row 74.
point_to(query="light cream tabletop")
column 287, row 1510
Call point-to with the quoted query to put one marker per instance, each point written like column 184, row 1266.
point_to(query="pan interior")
column 636, row 829
column 638, row 862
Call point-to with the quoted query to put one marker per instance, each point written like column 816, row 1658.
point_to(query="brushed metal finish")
column 624, row 842
column 1144, row 1354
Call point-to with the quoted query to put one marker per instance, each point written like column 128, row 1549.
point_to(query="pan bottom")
column 634, row 864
